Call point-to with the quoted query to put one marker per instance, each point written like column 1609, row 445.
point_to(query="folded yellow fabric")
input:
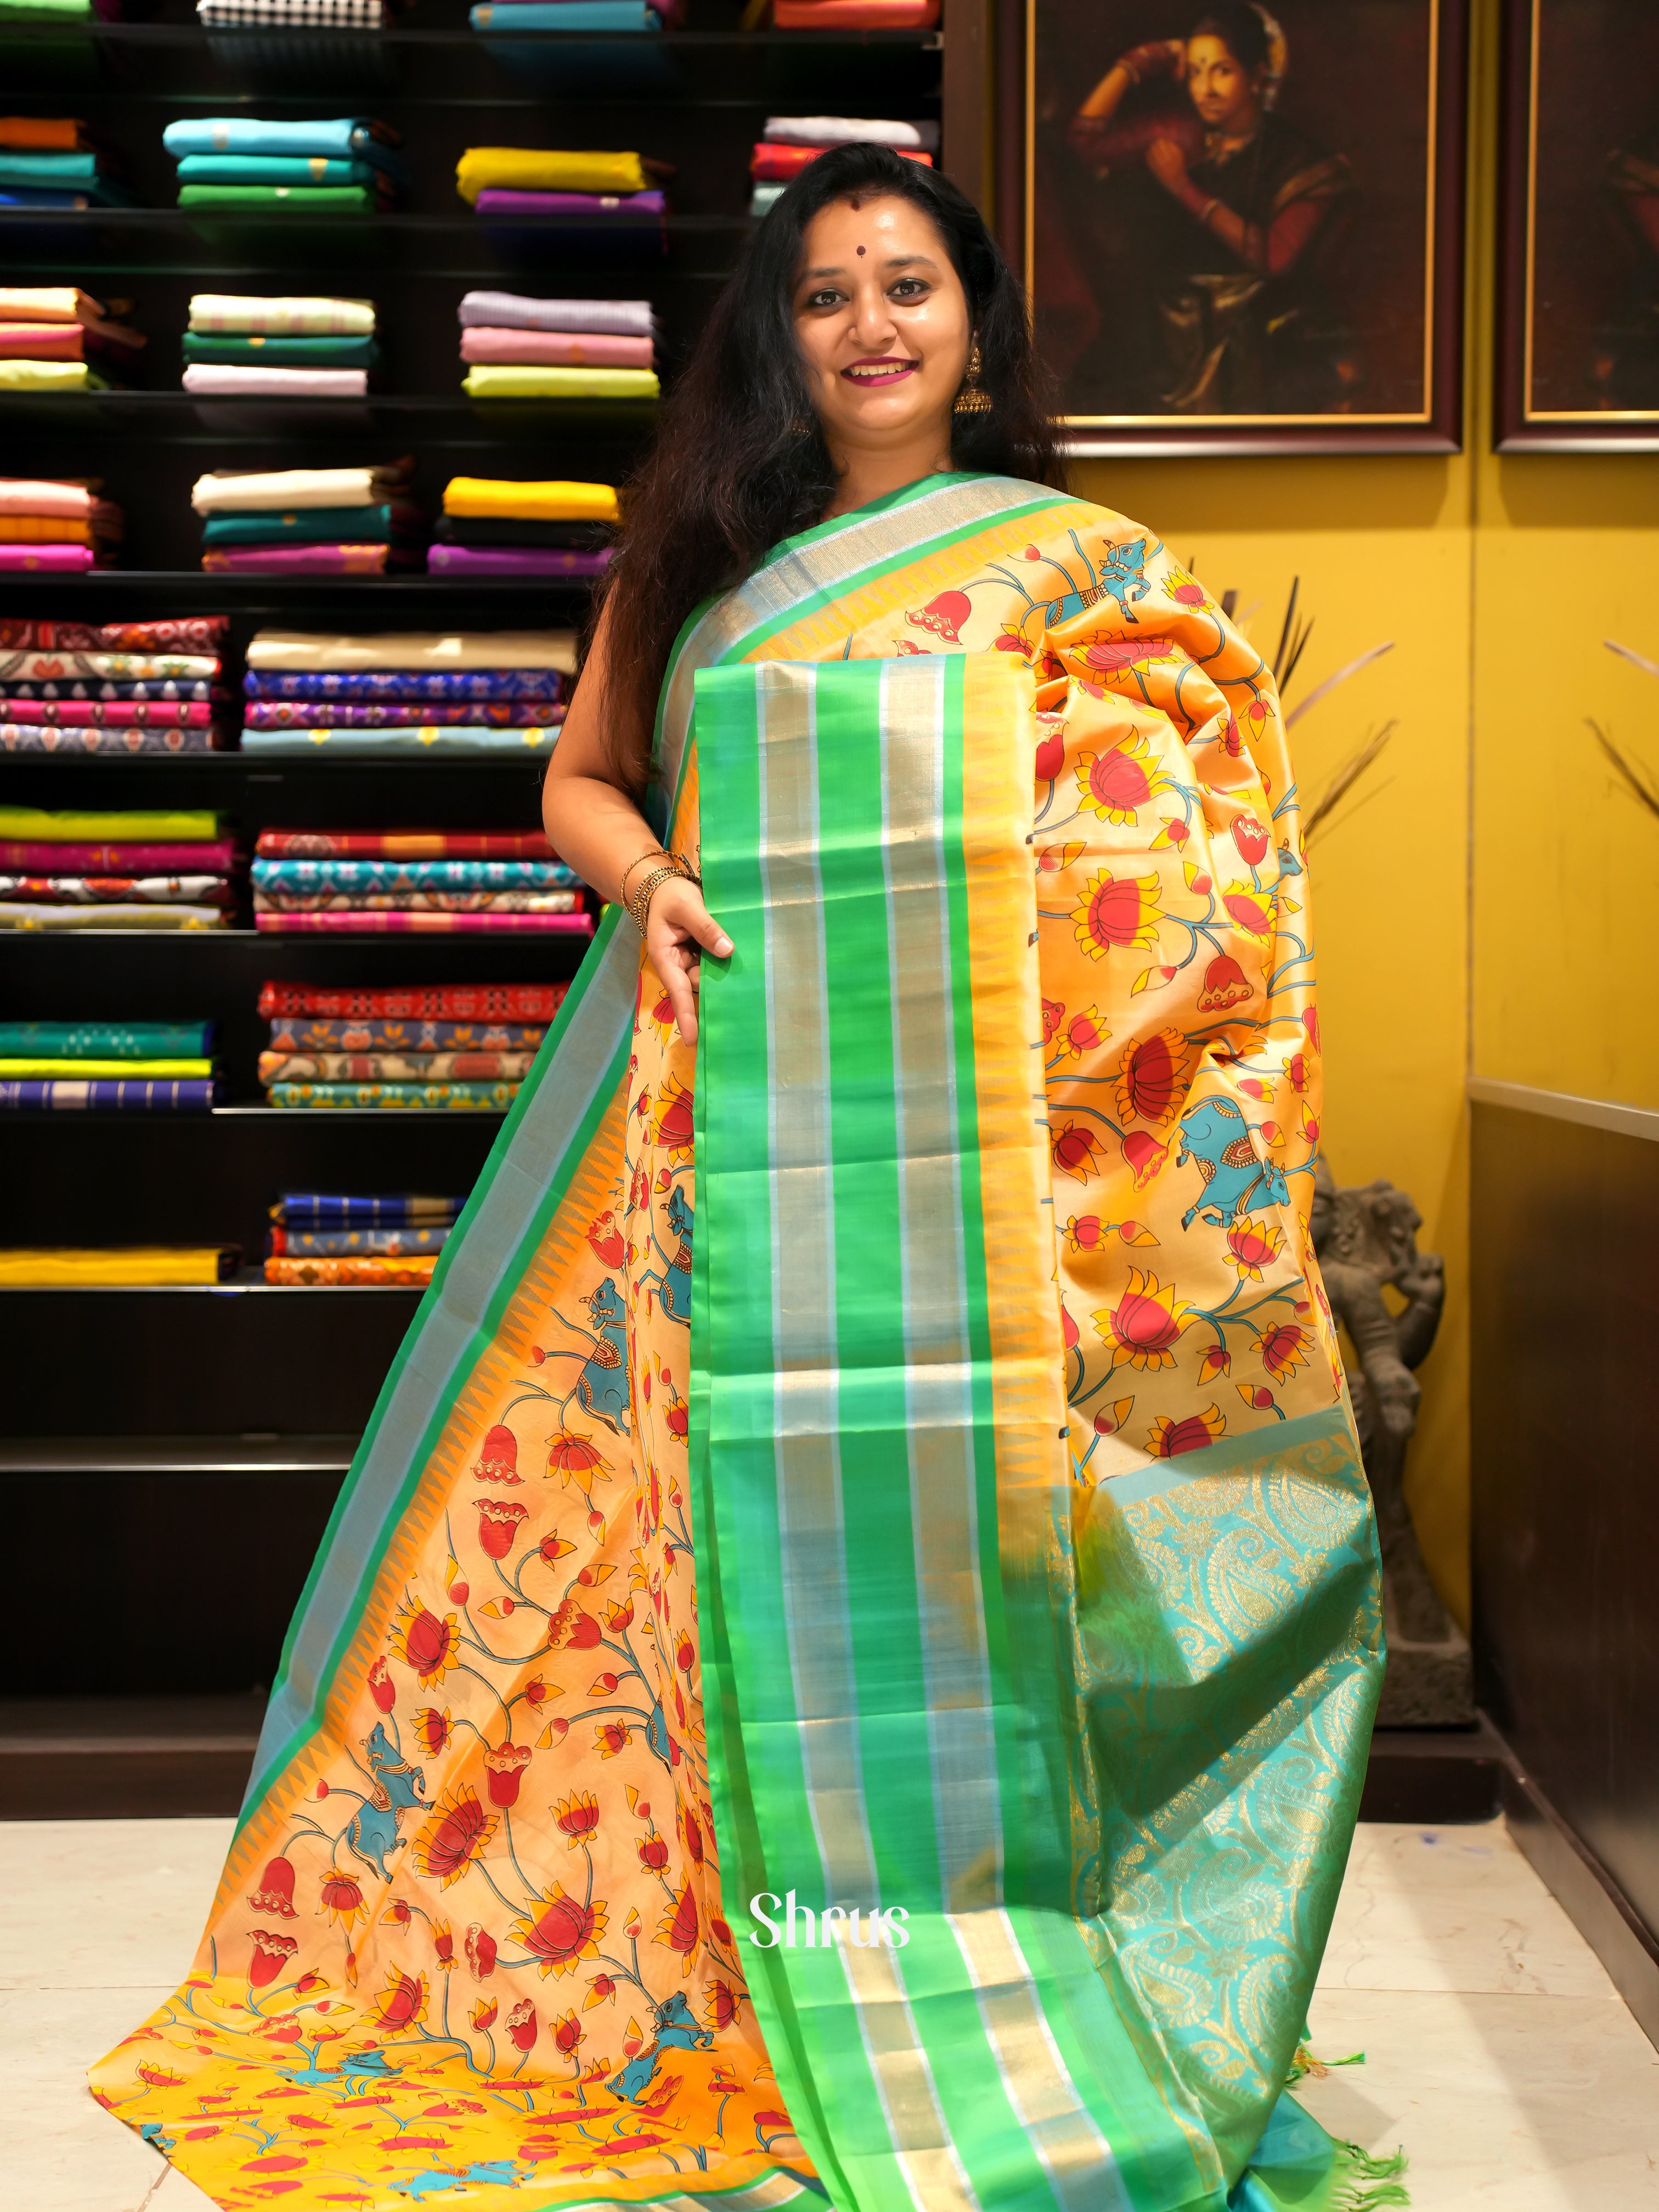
column 53, row 1266
column 35, row 825
column 535, row 169
column 551, row 501
column 47, row 303
column 74, row 1070
column 50, row 376
column 507, row 380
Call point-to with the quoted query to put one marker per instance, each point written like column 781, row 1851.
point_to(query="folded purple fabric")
column 66, row 559
column 515, row 560
column 495, row 200
column 296, row 560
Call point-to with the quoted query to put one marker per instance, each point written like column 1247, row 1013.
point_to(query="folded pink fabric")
column 66, row 560
column 391, row 925
column 30, row 496
column 111, row 714
column 212, row 857
column 855, row 14
column 295, row 559
column 554, row 349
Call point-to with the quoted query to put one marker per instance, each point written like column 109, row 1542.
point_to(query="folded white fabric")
column 510, row 311
column 245, row 381
column 229, row 314
column 354, row 15
column 281, row 649
column 252, row 492
column 849, row 130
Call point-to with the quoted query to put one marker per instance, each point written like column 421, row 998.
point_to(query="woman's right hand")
column 679, row 929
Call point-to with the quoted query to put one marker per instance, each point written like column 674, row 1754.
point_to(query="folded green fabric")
column 65, row 10
column 61, row 172
column 498, row 381
column 282, row 353
column 272, row 169
column 298, row 199
column 311, row 526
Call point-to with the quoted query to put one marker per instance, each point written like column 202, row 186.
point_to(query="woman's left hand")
column 1167, row 164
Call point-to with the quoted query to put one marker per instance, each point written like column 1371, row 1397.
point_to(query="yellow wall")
column 1481, row 910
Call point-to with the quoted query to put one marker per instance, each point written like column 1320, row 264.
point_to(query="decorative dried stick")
column 1627, row 652
column 1322, row 690
column 1639, row 778
column 1344, row 780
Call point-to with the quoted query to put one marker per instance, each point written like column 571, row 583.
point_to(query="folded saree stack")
column 391, row 881
column 156, row 868
column 340, row 165
column 119, row 1266
column 369, row 1242
column 522, row 349
column 610, row 198
column 406, row 692
column 49, row 161
column 790, row 143
column 57, row 524
column 356, row 521
column 444, row 1046
column 56, row 338
column 59, row 692
column 145, row 1067
column 498, row 526
column 277, row 348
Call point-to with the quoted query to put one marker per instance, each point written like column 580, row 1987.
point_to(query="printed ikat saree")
column 899, row 1460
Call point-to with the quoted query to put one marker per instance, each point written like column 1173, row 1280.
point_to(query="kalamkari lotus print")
column 630, row 1608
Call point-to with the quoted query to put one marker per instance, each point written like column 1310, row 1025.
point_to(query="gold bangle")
column 1205, row 213
column 640, row 905
column 652, row 852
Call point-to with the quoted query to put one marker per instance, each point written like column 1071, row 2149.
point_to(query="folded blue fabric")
column 64, row 171
column 273, row 169
column 345, row 136
column 565, row 15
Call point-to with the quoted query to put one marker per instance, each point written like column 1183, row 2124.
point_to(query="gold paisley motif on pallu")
column 855, row 1464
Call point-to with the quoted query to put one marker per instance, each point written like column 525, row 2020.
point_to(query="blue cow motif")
column 1123, row 577
column 397, row 1788
column 1215, row 1135
column 676, row 2030
column 602, row 1388
column 673, row 1281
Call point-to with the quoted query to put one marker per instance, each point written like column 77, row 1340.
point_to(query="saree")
column 843, row 1667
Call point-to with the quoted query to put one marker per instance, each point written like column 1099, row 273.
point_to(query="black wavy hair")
column 741, row 462
column 1240, row 27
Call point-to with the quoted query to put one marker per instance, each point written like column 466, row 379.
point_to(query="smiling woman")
column 774, row 1499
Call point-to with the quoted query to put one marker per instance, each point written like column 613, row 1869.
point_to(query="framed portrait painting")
column 1579, row 352
column 1244, row 222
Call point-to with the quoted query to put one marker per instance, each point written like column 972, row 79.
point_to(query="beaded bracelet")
column 651, row 852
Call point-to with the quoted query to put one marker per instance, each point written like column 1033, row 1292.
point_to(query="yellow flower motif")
column 1251, row 1245
column 1184, row 588
column 457, row 1833
column 1117, row 912
column 1115, row 785
column 1145, row 1323
column 1168, row 1438
column 423, row 1641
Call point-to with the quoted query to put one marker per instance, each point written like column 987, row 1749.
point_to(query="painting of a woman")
column 1249, row 210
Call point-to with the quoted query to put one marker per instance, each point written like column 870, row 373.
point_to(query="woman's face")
column 882, row 322
column 1224, row 92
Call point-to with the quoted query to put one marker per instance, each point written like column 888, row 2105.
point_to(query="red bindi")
column 860, row 252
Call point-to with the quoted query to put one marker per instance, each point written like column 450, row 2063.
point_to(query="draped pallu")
column 807, row 1479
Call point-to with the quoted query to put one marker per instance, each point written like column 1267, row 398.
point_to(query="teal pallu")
column 1087, row 1758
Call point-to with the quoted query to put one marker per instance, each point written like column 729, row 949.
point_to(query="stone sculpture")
column 1366, row 1238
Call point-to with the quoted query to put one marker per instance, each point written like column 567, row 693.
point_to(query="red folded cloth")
column 413, row 1002
column 855, row 14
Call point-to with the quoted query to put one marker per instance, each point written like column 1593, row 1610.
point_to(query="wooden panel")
column 1566, row 1295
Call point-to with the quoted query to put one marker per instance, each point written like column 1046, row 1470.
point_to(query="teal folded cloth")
column 257, row 352
column 105, row 1040
column 313, row 526
column 273, row 169
column 346, row 137
column 63, row 172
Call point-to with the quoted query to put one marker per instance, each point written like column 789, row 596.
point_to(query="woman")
column 1254, row 205
column 726, row 1751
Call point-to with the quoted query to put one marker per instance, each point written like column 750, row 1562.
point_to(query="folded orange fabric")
column 47, row 303
column 46, row 530
column 775, row 164
column 56, row 134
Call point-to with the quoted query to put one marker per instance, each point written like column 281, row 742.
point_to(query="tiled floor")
column 1497, row 2050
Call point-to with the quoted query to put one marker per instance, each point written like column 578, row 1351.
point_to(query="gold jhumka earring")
column 972, row 399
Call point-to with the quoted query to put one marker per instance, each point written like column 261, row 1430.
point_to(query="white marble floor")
column 1498, row 2052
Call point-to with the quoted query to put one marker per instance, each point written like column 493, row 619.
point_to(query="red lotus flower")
column 1248, row 910
column 272, row 1953
column 498, row 1525
column 483, row 2014
column 674, row 1119
column 654, row 1853
column 1074, row 1148
column 944, row 616
column 396, row 1914
column 568, row 1453
column 1082, row 1232
column 1115, row 653
column 1086, row 1032
column 424, row 1642
column 455, row 1835
column 480, row 1947
column 443, row 1944
column 1143, row 1156
column 1251, row 839
column 723, row 2004
column 578, row 1816
column 678, row 1930
column 618, row 1617
column 343, row 1898
column 568, row 2033
column 610, row 1737
column 498, row 1457
column 521, row 2024
column 1224, row 985
column 1051, row 748
column 1147, row 1322
column 564, row 1931
column 604, row 1235
column 504, row 1767
column 1068, row 1326
column 535, row 1693
column 1252, row 1244
column 1118, row 912
column 1296, row 1067
column 1310, row 1022
column 772, row 2123
column 275, row 1890
column 693, row 1835
column 432, row 1729
column 574, row 1629
column 1151, row 1080
column 1115, row 785
column 685, row 1652
column 680, row 1418
column 600, row 1991
column 1169, row 1438
column 1283, row 1347
column 381, row 1687
column 1216, row 1361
